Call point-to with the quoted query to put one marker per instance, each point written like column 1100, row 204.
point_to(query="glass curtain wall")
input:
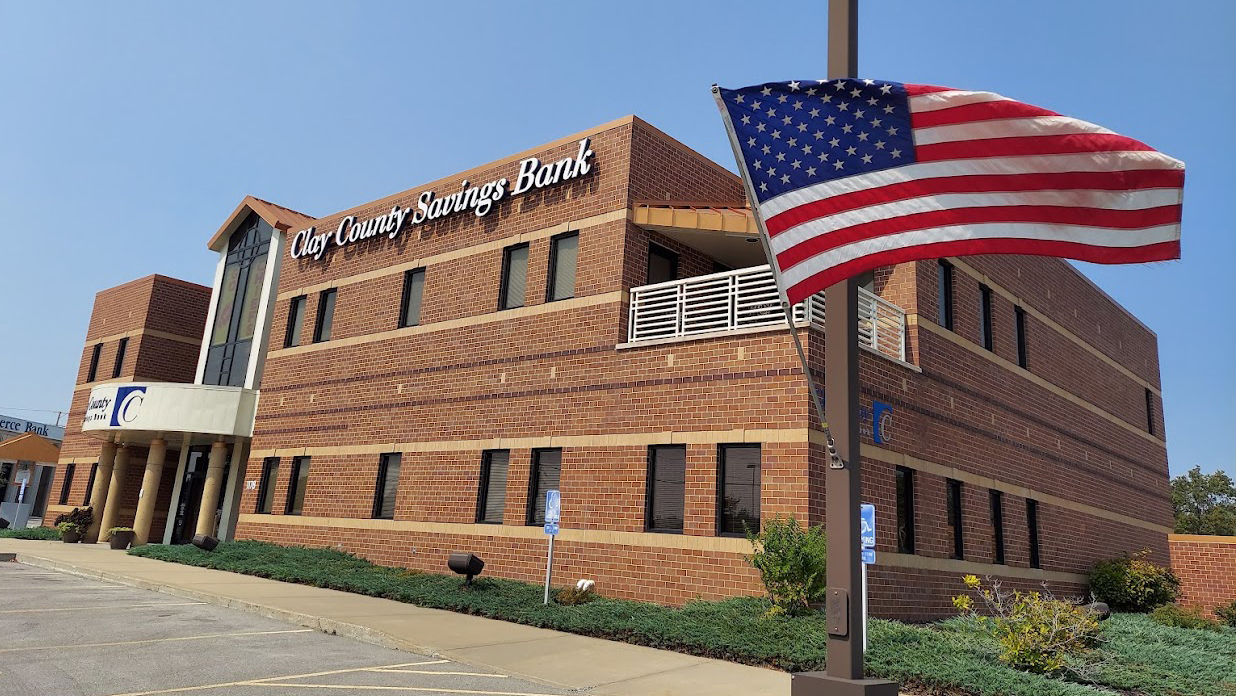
column 240, row 293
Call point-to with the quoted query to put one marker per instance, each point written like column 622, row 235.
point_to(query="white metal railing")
column 747, row 299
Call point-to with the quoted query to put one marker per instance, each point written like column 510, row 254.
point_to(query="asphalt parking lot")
column 61, row 635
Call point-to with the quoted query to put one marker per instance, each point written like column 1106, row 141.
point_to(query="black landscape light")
column 205, row 542
column 468, row 564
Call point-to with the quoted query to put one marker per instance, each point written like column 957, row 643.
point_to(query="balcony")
column 746, row 300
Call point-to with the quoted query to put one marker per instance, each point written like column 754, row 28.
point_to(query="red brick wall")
column 1206, row 566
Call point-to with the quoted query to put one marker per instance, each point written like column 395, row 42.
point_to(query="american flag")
column 851, row 174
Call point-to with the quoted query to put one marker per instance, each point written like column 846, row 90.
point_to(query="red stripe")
column 925, row 89
column 1030, row 145
column 977, row 183
column 1045, row 214
column 982, row 111
column 1162, row 251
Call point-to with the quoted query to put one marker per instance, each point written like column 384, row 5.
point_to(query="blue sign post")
column 553, row 513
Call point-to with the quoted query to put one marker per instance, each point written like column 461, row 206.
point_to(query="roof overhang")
column 727, row 233
column 30, row 447
column 135, row 413
column 276, row 216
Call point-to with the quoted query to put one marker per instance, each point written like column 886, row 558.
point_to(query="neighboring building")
column 24, row 485
column 406, row 378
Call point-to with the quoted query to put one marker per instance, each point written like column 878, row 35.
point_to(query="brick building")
column 406, row 378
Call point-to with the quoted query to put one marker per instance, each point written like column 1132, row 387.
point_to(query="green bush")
column 38, row 533
column 1036, row 632
column 81, row 518
column 793, row 563
column 1133, row 583
column 1182, row 617
column 1227, row 613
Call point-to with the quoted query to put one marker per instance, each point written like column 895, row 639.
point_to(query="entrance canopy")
column 136, row 413
column 30, row 447
column 727, row 233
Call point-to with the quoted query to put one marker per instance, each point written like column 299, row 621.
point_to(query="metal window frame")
column 92, row 372
column 944, row 293
column 321, row 313
column 665, row 253
column 534, row 483
column 650, row 489
column 720, row 506
column 406, row 295
column 265, row 489
column 291, row 337
column 1019, row 328
column 956, row 511
column 1032, row 526
column 907, row 474
column 94, row 473
column 297, row 463
column 986, row 320
column 997, row 526
column 1150, row 411
column 551, row 279
column 482, row 489
column 379, row 489
column 70, row 470
column 506, row 276
column 122, row 347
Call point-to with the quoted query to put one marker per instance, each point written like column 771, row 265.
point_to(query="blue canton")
column 799, row 133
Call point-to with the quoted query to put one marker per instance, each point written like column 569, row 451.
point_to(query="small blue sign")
column 551, row 528
column 867, row 526
column 553, row 506
column 868, row 556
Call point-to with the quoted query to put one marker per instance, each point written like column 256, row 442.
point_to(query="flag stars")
column 760, row 126
column 806, row 149
column 810, row 171
column 766, row 91
column 776, row 134
column 827, row 98
column 847, row 128
column 798, row 105
column 771, row 112
column 802, row 127
column 830, row 120
column 851, row 150
column 879, row 144
column 844, row 106
column 780, row 156
column 757, row 164
column 885, row 89
column 839, row 85
column 838, row 164
column 875, row 122
column 755, row 106
column 863, row 136
column 794, row 86
column 750, row 142
column 772, row 171
column 746, row 119
column 766, row 149
column 797, row 164
column 814, row 113
column 785, row 178
column 892, row 130
column 858, row 113
column 868, row 82
column 781, row 98
column 873, row 101
column 888, row 109
column 811, row 92
column 819, row 135
column 763, row 187
column 787, row 120
column 866, row 159
column 823, row 157
column 855, row 92
column 792, row 142
column 834, row 142
column 738, row 98
column 895, row 153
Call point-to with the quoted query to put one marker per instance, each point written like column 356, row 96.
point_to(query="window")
column 266, row 490
column 546, row 473
column 1149, row 411
column 563, row 257
column 326, row 315
column 738, row 492
column 94, row 470
column 1032, row 524
column 944, row 286
column 388, row 486
column 121, row 347
column 662, row 264
column 236, row 305
column 69, row 470
column 985, row 318
column 905, row 510
column 953, row 501
column 410, row 303
column 296, row 322
column 667, row 478
column 491, row 497
column 514, row 288
column 93, row 371
column 297, row 484
column 997, row 524
column 1019, row 321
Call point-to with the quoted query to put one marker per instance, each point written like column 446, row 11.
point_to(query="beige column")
column 111, row 510
column 150, row 491
column 98, row 494
column 210, row 491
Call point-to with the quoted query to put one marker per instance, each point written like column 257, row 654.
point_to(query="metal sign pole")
column 549, row 566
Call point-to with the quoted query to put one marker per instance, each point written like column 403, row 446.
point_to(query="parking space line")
column 430, row 671
column 418, row 689
column 264, row 681
column 99, row 608
column 152, row 640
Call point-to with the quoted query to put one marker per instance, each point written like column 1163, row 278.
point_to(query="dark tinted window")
column 266, row 491
column 410, row 303
column 1019, row 318
column 296, row 322
column 944, row 291
column 514, row 277
column 563, row 257
column 69, row 470
column 326, row 316
column 94, row 470
column 667, row 476
column 546, row 474
column 240, row 293
column 387, row 488
column 121, row 348
column 93, row 371
column 985, row 318
column 905, row 510
column 953, row 502
column 491, row 498
column 1149, row 411
column 738, row 504
column 1032, row 524
column 997, row 524
column 297, row 484
column 662, row 264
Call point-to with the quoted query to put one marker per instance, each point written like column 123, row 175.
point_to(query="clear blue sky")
column 129, row 131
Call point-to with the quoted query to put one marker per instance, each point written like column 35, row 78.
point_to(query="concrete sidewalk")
column 559, row 659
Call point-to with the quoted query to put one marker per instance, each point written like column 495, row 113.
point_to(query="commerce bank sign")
column 533, row 175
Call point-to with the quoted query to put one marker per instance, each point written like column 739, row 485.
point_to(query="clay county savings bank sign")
column 429, row 206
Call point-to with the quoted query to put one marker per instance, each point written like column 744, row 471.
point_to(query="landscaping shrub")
column 1133, row 583
column 82, row 518
column 582, row 593
column 1183, row 617
column 1036, row 632
column 37, row 533
column 793, row 563
column 1227, row 613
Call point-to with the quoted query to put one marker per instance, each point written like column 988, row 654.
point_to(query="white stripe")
column 1110, row 200
column 1005, row 128
column 934, row 101
column 1020, row 164
column 1000, row 230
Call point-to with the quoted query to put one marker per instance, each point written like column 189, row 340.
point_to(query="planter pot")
column 121, row 540
column 70, row 537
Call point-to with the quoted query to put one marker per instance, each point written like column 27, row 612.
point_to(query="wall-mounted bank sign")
column 533, row 175
column 9, row 424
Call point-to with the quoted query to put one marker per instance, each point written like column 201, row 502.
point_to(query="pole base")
column 822, row 684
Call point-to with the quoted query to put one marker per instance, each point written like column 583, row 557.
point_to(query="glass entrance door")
column 191, row 486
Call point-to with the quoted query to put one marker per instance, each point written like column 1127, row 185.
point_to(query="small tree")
column 1204, row 503
column 793, row 564
column 1132, row 583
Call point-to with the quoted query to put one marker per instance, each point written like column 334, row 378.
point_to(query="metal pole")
column 864, row 608
column 549, row 566
column 841, row 483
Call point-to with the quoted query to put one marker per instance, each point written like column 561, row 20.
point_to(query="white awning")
column 138, row 412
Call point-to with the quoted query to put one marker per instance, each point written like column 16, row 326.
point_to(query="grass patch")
column 39, row 533
column 948, row 657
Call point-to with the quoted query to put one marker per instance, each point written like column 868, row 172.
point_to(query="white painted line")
column 153, row 640
column 419, row 689
column 260, row 682
column 100, row 608
column 430, row 671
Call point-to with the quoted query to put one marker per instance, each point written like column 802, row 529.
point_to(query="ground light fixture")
column 205, row 542
column 467, row 564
